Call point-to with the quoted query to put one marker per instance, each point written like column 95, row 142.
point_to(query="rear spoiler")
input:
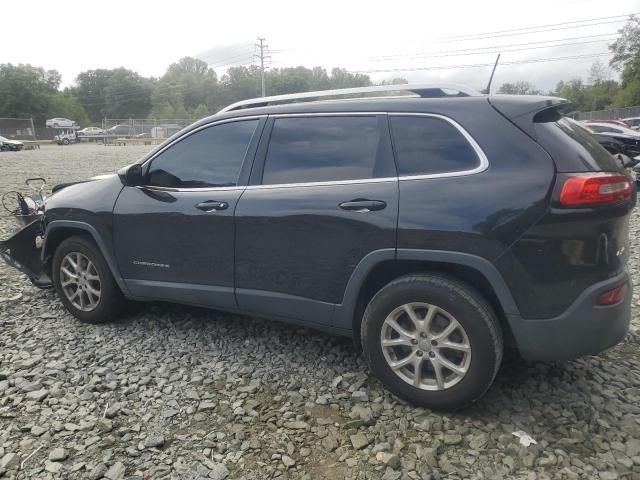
column 521, row 109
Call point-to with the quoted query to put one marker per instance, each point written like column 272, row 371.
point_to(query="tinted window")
column 319, row 149
column 208, row 158
column 571, row 145
column 426, row 145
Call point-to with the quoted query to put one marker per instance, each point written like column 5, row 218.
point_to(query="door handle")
column 363, row 205
column 212, row 205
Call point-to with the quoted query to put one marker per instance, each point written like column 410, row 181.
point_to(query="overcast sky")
column 357, row 35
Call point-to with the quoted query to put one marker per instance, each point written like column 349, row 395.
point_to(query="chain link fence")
column 144, row 128
column 610, row 114
column 17, row 128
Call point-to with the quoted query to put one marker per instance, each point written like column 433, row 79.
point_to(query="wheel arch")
column 375, row 271
column 59, row 230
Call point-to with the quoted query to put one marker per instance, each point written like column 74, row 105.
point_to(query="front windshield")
column 3, row 139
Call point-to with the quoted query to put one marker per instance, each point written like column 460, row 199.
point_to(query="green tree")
column 629, row 92
column 626, row 57
column 127, row 95
column 341, row 78
column 600, row 95
column 200, row 112
column 518, row 88
column 598, row 73
column 627, row 47
column 574, row 91
column 186, row 85
column 67, row 105
column 91, row 87
column 53, row 79
column 27, row 91
column 291, row 80
column 24, row 92
column 116, row 93
column 395, row 81
column 239, row 83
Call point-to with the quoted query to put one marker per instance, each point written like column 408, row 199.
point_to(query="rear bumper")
column 583, row 329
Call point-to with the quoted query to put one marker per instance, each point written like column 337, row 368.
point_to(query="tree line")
column 599, row 91
column 190, row 89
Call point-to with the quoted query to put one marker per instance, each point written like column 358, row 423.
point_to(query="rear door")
column 323, row 194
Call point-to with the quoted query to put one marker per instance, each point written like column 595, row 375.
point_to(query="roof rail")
column 422, row 90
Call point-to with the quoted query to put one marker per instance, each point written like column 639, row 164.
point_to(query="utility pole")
column 262, row 46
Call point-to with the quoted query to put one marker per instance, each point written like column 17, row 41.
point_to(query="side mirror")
column 131, row 176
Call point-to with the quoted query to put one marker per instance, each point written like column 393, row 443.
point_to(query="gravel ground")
column 184, row 393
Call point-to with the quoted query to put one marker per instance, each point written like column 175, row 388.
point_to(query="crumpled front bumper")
column 23, row 251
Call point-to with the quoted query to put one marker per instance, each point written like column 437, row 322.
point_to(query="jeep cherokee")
column 434, row 227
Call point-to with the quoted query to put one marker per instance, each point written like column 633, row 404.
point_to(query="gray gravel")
column 184, row 393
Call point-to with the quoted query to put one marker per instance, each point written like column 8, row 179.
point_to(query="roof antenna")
column 487, row 90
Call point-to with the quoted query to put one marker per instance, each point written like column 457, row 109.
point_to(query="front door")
column 324, row 194
column 174, row 236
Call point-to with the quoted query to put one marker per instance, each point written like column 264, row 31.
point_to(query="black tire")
column 65, row 141
column 111, row 299
column 471, row 311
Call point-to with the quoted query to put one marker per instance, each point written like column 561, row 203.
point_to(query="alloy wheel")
column 425, row 346
column 80, row 281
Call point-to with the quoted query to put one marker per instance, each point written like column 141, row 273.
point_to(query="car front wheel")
column 84, row 282
column 432, row 340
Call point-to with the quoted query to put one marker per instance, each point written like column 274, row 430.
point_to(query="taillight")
column 611, row 297
column 595, row 188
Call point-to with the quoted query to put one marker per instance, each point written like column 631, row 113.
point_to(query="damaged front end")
column 23, row 250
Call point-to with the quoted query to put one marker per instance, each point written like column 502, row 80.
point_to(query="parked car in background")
column 66, row 136
column 91, row 131
column 616, row 143
column 374, row 218
column 611, row 128
column 620, row 123
column 7, row 145
column 633, row 122
column 59, row 122
column 119, row 130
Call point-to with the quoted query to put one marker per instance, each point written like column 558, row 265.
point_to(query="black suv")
column 435, row 228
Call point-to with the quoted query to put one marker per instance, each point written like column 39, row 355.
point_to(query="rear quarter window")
column 430, row 145
column 572, row 146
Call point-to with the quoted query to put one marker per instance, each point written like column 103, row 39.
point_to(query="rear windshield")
column 572, row 146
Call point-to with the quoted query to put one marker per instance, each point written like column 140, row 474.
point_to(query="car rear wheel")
column 432, row 340
column 84, row 282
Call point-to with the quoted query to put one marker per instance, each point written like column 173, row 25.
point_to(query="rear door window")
column 326, row 149
column 430, row 145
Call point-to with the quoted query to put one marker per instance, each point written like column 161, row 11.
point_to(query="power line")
column 476, row 65
column 508, row 50
column 221, row 61
column 493, row 47
column 621, row 17
column 484, row 37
